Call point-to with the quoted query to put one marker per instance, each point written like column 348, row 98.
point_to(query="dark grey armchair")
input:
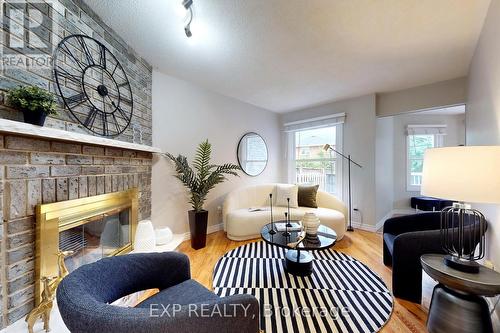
column 406, row 239
column 181, row 306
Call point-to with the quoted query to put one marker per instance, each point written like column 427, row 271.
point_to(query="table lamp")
column 465, row 174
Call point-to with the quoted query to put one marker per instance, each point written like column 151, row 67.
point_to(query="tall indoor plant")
column 199, row 180
column 35, row 103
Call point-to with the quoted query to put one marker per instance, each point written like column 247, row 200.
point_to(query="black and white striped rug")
column 342, row 294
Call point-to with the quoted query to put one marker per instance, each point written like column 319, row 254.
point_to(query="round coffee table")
column 298, row 261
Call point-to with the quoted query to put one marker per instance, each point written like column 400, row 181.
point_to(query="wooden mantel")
column 20, row 128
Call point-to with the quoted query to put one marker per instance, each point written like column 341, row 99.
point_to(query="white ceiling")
column 285, row 55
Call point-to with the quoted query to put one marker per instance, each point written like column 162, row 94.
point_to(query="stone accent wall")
column 68, row 17
column 35, row 171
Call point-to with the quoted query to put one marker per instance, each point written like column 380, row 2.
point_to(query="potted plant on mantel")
column 35, row 103
column 199, row 181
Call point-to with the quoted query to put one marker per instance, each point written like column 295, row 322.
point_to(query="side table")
column 458, row 303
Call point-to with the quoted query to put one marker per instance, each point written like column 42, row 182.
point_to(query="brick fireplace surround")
column 35, row 171
column 44, row 170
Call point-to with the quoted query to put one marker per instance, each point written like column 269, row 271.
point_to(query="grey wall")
column 429, row 96
column 455, row 136
column 359, row 141
column 67, row 17
column 384, row 167
column 483, row 109
column 184, row 115
column 391, row 190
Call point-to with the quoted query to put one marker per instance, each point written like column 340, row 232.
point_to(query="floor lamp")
column 327, row 147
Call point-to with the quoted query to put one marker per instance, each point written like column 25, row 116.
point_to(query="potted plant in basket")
column 199, row 180
column 34, row 102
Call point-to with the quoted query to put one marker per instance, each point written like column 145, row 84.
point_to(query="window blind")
column 318, row 122
column 426, row 129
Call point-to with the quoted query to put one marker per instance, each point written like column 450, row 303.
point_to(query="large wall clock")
column 93, row 85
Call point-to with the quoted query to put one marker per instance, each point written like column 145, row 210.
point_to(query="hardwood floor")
column 362, row 245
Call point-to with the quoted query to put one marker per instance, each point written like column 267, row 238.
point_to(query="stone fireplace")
column 62, row 161
column 43, row 166
column 88, row 228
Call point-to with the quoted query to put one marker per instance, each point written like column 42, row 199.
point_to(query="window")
column 416, row 146
column 311, row 164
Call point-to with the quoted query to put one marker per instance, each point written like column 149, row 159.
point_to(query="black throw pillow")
column 307, row 195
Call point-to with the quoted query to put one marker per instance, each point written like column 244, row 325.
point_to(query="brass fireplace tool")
column 49, row 290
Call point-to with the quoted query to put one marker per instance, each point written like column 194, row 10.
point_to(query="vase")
column 311, row 224
column 34, row 117
column 198, row 226
column 145, row 239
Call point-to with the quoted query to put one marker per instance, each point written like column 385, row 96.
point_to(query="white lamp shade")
column 467, row 174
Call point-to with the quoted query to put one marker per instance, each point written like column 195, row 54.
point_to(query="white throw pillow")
column 284, row 191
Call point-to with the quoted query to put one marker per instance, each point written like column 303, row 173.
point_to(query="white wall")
column 384, row 167
column 359, row 141
column 184, row 115
column 455, row 136
column 483, row 110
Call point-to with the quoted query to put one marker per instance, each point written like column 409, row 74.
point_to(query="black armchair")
column 406, row 238
column 181, row 306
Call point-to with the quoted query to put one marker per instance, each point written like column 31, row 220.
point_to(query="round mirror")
column 252, row 154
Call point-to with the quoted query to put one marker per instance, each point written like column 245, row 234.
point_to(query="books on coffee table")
column 258, row 209
column 281, row 226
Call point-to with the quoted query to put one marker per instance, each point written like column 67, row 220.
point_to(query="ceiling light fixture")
column 187, row 3
column 187, row 28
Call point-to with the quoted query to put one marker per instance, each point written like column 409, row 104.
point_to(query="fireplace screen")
column 82, row 231
column 101, row 236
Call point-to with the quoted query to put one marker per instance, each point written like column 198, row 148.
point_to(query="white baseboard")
column 210, row 230
column 372, row 228
column 363, row 226
column 380, row 223
column 407, row 211
column 404, row 211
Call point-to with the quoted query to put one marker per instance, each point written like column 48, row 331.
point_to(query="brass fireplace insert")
column 88, row 228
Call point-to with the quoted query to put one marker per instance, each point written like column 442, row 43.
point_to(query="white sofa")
column 242, row 224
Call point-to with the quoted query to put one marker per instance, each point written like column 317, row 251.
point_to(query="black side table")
column 457, row 303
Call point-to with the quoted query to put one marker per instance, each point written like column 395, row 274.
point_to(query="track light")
column 187, row 31
column 187, row 3
column 187, row 28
